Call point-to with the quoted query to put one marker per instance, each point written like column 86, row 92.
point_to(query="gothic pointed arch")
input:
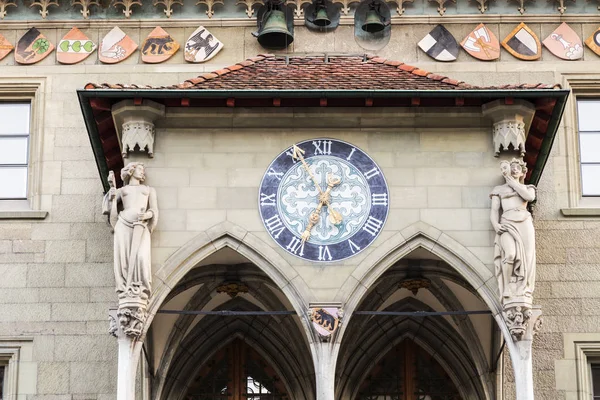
column 248, row 276
column 455, row 279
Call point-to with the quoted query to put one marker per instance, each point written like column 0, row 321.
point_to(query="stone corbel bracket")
column 325, row 318
column 523, row 321
column 135, row 124
column 511, row 122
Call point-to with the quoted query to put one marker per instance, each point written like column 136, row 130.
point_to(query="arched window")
column 237, row 372
column 407, row 372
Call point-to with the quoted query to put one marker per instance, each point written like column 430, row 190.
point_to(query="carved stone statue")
column 514, row 246
column 133, row 213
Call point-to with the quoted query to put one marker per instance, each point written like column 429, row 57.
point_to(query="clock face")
column 323, row 200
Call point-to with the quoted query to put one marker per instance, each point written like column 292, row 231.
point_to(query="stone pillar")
column 129, row 355
column 511, row 123
column 135, row 124
column 523, row 324
column 325, row 318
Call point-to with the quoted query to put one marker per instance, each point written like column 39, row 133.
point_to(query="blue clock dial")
column 324, row 200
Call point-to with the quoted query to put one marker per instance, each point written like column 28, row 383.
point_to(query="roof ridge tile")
column 320, row 71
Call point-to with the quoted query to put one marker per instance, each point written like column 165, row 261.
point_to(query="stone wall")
column 57, row 281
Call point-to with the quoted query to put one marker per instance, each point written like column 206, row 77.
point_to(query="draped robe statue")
column 514, row 245
column 133, row 213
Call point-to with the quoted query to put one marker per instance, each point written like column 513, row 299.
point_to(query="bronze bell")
column 373, row 23
column 321, row 19
column 274, row 33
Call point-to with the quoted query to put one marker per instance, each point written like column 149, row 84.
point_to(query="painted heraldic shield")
column 5, row 47
column 159, row 46
column 32, row 47
column 74, row 47
column 201, row 46
column 564, row 43
column 440, row 45
column 116, row 46
column 593, row 42
column 523, row 43
column 482, row 44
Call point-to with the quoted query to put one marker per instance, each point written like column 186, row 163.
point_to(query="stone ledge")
column 23, row 214
column 581, row 212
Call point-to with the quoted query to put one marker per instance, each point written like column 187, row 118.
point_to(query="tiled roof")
column 271, row 72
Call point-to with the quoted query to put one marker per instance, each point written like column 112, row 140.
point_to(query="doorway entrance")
column 237, row 372
column 407, row 372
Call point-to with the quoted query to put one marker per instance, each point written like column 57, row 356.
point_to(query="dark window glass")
column 596, row 381
column 2, row 368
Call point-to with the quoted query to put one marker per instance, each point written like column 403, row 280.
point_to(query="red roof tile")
column 271, row 72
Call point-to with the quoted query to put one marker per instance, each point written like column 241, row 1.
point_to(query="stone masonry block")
column 237, row 198
column 89, row 274
column 6, row 258
column 24, row 312
column 28, row 246
column 65, row 251
column 53, row 378
column 210, row 177
column 408, row 197
column 476, row 141
column 50, row 231
column 5, row 246
column 13, row 275
column 81, row 186
column 43, row 348
column 45, row 275
column 92, row 377
column 447, row 219
column 80, row 311
column 85, row 348
column 198, row 198
column 64, row 295
column 201, row 220
column 444, row 197
column 18, row 295
column 441, row 177
column 15, row 231
column 74, row 208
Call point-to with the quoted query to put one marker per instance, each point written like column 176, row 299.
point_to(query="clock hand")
column 334, row 216
column 297, row 153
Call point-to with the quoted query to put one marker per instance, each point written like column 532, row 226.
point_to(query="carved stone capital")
column 128, row 320
column 135, row 125
column 523, row 321
column 511, row 123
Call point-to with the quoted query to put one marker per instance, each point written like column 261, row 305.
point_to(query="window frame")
column 578, row 101
column 20, row 370
column 27, row 155
column 583, row 86
column 31, row 90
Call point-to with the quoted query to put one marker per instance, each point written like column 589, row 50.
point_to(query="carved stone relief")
column 511, row 124
column 135, row 125
column 132, row 226
column 326, row 319
column 514, row 248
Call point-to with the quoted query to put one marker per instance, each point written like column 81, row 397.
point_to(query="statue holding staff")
column 133, row 213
